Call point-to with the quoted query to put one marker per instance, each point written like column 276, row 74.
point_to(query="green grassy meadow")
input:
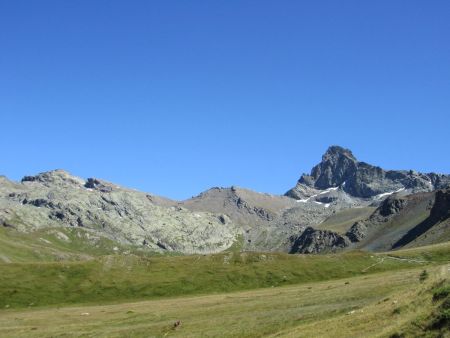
column 102, row 290
column 383, row 304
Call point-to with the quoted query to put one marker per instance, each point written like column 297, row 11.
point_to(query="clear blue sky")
column 173, row 97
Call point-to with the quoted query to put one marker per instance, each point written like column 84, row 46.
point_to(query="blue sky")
column 173, row 97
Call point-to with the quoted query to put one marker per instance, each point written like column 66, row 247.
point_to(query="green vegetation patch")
column 117, row 278
column 344, row 219
column 59, row 244
column 438, row 253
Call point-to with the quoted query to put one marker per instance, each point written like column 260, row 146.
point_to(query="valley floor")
column 378, row 305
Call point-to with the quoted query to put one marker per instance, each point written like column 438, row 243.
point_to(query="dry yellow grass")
column 353, row 307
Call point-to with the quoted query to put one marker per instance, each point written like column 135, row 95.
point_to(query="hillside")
column 408, row 221
column 281, row 295
column 128, row 217
column 341, row 205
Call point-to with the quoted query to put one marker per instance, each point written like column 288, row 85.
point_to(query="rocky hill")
column 58, row 199
column 343, row 203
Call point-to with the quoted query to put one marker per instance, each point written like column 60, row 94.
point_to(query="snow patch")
column 320, row 193
column 384, row 194
column 326, row 205
column 379, row 196
column 327, row 191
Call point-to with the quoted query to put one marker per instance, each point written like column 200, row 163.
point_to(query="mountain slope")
column 269, row 221
column 255, row 213
column 56, row 199
column 342, row 204
column 408, row 221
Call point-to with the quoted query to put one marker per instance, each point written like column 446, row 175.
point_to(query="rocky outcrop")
column 392, row 205
column 441, row 207
column 93, row 183
column 58, row 199
column 313, row 241
column 52, row 178
column 260, row 212
column 340, row 168
column 357, row 232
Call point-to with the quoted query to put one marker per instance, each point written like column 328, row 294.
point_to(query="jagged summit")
column 337, row 165
column 340, row 168
column 337, row 151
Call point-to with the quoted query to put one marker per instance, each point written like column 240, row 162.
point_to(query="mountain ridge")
column 339, row 167
column 220, row 218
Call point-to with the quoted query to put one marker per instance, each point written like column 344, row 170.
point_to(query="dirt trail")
column 371, row 266
column 381, row 260
column 410, row 260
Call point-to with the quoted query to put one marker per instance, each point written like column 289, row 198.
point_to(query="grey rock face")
column 357, row 232
column 359, row 179
column 96, row 184
column 392, row 205
column 441, row 207
column 313, row 241
column 56, row 198
column 215, row 219
column 337, row 166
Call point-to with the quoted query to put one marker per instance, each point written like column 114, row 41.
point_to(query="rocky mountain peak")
column 340, row 168
column 337, row 165
column 333, row 153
